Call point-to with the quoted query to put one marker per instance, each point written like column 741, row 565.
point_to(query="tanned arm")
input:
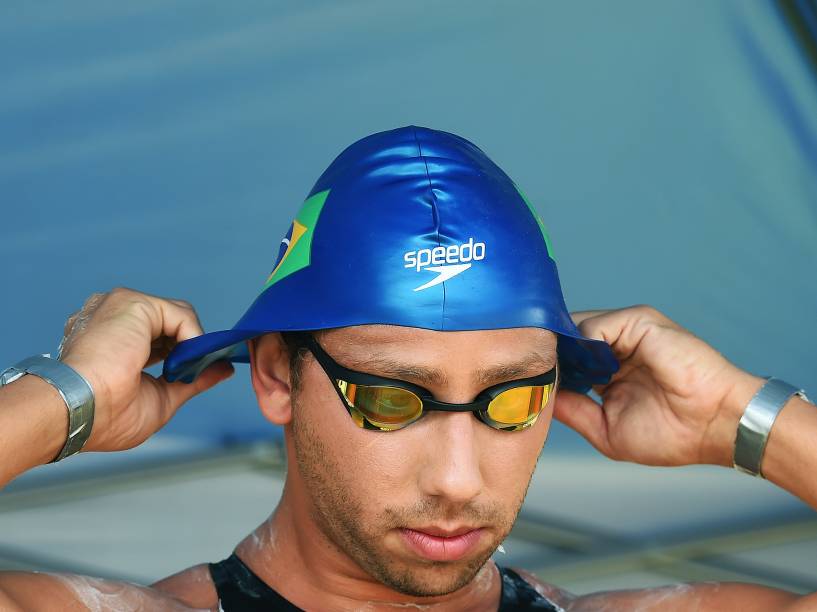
column 121, row 333
column 677, row 401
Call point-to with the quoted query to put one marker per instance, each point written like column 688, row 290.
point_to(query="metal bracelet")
column 756, row 423
column 74, row 389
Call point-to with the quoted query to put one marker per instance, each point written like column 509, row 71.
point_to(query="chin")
column 432, row 579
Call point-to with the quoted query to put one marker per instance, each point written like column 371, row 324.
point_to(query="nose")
column 451, row 470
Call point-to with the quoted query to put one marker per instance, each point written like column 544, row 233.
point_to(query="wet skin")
column 338, row 538
column 447, row 474
column 346, row 507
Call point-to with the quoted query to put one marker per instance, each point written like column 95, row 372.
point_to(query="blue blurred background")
column 670, row 147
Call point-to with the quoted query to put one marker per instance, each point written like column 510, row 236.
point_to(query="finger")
column 179, row 392
column 187, row 305
column 624, row 329
column 581, row 315
column 596, row 320
column 182, row 303
column 179, row 323
column 582, row 414
column 169, row 319
column 160, row 349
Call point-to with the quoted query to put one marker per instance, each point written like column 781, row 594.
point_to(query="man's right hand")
column 110, row 341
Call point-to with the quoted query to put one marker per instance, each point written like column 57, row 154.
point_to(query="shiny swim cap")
column 413, row 227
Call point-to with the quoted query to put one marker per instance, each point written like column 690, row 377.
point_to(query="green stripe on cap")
column 299, row 252
column 539, row 221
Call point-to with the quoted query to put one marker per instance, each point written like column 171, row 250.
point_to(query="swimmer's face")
column 374, row 494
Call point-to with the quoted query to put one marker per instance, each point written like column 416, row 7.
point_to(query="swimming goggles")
column 387, row 404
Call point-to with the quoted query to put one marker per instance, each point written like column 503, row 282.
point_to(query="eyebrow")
column 523, row 368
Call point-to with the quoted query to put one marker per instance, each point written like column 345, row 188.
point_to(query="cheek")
column 509, row 457
column 384, row 469
column 371, row 465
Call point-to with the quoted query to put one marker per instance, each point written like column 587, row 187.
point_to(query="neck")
column 292, row 555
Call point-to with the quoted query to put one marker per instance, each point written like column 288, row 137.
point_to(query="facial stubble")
column 337, row 513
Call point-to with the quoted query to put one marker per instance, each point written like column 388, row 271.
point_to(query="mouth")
column 441, row 544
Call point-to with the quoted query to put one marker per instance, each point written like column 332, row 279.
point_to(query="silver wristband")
column 72, row 387
column 757, row 421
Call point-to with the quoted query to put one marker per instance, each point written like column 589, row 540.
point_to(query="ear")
column 269, row 369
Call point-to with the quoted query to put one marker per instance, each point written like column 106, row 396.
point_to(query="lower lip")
column 436, row 548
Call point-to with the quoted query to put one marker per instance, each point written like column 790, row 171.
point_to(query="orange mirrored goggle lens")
column 384, row 407
column 520, row 405
column 388, row 408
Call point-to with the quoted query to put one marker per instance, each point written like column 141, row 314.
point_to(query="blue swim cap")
column 413, row 227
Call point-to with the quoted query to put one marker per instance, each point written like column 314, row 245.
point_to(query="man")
column 415, row 410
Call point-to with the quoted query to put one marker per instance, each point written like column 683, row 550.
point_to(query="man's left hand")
column 673, row 402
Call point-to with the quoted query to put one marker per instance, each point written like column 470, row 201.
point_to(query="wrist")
column 730, row 411
column 75, row 391
column 33, row 414
column 101, row 396
column 757, row 423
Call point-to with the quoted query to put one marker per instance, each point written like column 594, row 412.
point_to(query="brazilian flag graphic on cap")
column 406, row 188
column 296, row 247
column 539, row 222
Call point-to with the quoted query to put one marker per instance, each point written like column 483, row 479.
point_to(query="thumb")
column 579, row 412
column 179, row 392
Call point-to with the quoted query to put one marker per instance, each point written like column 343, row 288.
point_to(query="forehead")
column 381, row 334
column 431, row 357
column 437, row 358
column 417, row 344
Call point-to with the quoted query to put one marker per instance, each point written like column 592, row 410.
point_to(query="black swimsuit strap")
column 518, row 594
column 241, row 590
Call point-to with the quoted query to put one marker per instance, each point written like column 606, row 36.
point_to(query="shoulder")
column 193, row 586
column 678, row 597
column 24, row 591
column 21, row 591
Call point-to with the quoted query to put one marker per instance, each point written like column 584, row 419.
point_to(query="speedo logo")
column 447, row 262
